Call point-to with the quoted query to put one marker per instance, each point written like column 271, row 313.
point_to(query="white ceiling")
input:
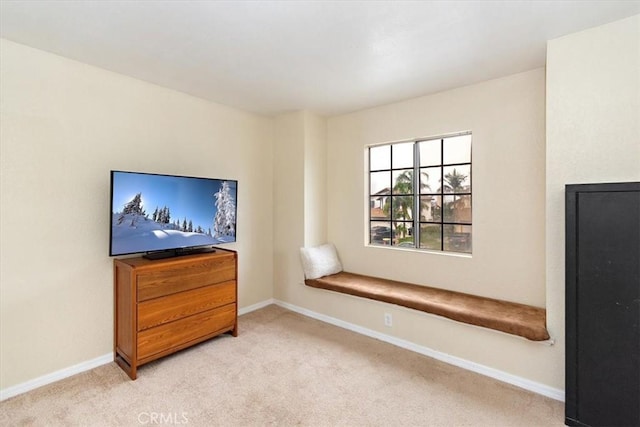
column 329, row 57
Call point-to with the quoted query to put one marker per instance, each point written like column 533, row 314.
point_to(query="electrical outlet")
column 388, row 320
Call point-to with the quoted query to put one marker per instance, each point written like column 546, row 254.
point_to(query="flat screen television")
column 168, row 215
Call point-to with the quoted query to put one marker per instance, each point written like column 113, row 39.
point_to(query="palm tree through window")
column 420, row 194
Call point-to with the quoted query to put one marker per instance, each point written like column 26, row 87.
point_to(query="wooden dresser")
column 163, row 306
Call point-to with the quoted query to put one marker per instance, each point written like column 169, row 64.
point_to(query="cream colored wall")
column 288, row 199
column 593, row 129
column 315, row 180
column 299, row 197
column 506, row 117
column 65, row 125
column 507, row 120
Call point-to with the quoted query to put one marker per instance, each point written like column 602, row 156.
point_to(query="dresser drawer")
column 181, row 333
column 158, row 311
column 191, row 275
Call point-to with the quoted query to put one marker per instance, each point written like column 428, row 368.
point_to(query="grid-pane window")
column 420, row 194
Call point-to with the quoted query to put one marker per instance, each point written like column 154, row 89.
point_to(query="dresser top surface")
column 178, row 260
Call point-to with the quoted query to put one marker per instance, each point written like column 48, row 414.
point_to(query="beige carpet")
column 284, row 369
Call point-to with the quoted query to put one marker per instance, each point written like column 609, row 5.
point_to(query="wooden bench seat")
column 513, row 318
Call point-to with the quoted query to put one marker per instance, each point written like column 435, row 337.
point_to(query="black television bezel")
column 169, row 252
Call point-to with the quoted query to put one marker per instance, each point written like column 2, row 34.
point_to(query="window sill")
column 420, row 251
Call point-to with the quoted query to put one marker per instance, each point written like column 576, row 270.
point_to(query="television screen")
column 152, row 212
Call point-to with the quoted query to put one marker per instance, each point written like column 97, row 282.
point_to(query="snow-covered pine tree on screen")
column 224, row 223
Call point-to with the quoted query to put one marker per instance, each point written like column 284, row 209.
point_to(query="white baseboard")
column 524, row 383
column 55, row 376
column 255, row 307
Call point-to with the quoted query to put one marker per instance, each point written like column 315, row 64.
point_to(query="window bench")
column 513, row 318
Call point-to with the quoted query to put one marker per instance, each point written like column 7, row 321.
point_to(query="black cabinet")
column 603, row 304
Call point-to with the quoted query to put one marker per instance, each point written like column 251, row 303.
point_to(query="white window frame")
column 455, row 234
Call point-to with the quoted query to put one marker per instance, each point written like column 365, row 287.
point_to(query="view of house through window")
column 420, row 194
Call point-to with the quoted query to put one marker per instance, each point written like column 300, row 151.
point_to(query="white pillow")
column 320, row 261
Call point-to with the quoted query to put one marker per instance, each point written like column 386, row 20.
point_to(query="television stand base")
column 178, row 252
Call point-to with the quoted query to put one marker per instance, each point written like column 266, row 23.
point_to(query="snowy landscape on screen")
column 133, row 229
